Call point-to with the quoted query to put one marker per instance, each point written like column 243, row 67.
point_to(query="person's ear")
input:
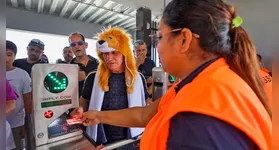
column 86, row 44
column 185, row 39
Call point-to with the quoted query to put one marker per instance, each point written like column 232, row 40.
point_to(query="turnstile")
column 55, row 91
column 161, row 81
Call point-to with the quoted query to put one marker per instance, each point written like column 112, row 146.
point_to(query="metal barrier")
column 159, row 82
column 29, row 133
column 55, row 92
column 120, row 144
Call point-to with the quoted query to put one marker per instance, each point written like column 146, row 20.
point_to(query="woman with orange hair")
column 116, row 85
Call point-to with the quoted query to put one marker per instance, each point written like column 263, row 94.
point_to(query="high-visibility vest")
column 219, row 92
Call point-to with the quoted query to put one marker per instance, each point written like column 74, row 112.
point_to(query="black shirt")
column 116, row 98
column 193, row 131
column 89, row 82
column 23, row 64
column 59, row 61
column 146, row 68
column 92, row 65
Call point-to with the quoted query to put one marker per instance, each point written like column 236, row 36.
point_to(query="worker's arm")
column 10, row 106
column 130, row 117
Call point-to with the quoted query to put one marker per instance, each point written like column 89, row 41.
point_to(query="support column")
column 143, row 23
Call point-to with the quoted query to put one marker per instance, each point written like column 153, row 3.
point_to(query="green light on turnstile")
column 56, row 82
column 172, row 79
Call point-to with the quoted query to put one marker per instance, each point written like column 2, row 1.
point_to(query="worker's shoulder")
column 223, row 78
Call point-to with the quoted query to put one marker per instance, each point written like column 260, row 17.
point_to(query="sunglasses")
column 73, row 44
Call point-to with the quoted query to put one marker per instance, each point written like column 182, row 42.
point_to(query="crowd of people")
column 222, row 101
column 19, row 72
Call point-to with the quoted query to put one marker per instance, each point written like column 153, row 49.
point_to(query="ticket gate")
column 55, row 91
column 161, row 81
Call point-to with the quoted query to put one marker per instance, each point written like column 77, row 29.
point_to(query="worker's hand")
column 91, row 117
column 99, row 147
column 77, row 113
column 149, row 101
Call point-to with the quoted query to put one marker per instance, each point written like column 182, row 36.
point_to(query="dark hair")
column 44, row 55
column 259, row 57
column 11, row 45
column 139, row 42
column 77, row 33
column 212, row 20
column 66, row 47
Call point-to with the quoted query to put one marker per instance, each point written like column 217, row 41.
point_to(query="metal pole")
column 29, row 133
column 120, row 144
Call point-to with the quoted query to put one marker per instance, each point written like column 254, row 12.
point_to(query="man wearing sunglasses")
column 35, row 50
column 85, row 62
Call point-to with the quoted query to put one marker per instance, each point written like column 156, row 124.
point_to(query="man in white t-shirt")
column 20, row 82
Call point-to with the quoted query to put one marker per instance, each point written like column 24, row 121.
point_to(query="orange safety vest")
column 218, row 92
column 265, row 70
column 267, row 80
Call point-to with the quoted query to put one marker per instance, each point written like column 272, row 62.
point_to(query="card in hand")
column 74, row 121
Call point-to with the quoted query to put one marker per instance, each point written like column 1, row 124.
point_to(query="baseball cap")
column 37, row 42
column 10, row 45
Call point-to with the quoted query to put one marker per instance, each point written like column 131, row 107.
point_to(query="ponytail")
column 243, row 61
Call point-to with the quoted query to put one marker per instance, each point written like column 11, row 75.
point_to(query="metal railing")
column 120, row 143
column 29, row 133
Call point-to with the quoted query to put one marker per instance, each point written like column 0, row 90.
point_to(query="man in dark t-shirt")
column 35, row 50
column 85, row 62
column 144, row 64
column 91, row 66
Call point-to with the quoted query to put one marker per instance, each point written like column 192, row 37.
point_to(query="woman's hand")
column 99, row 147
column 77, row 113
column 91, row 117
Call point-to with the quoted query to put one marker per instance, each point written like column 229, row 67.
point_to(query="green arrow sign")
column 56, row 82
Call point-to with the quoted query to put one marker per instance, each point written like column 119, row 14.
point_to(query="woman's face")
column 168, row 49
column 114, row 61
